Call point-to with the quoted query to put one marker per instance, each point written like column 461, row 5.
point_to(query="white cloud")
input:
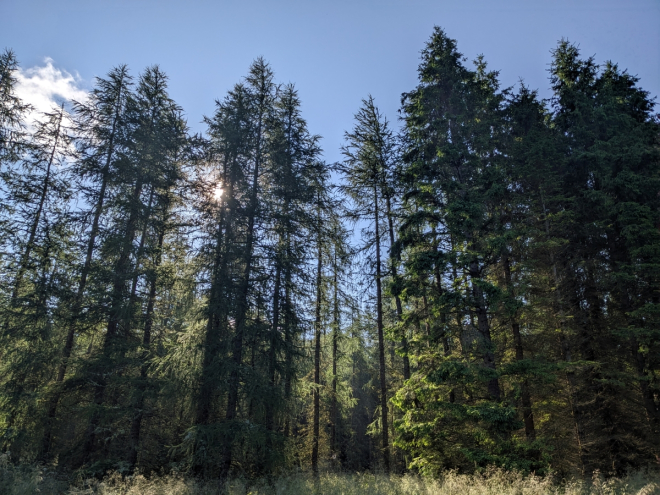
column 46, row 86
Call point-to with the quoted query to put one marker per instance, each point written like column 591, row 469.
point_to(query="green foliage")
column 193, row 305
column 517, row 264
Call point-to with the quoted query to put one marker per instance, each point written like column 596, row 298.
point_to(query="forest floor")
column 32, row 480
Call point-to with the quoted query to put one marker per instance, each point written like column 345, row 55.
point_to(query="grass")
column 31, row 480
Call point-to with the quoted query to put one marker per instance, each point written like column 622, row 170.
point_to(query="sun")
column 217, row 192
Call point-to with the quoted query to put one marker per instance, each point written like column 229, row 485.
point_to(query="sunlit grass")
column 32, row 480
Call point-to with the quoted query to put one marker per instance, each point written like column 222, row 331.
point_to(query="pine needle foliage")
column 472, row 298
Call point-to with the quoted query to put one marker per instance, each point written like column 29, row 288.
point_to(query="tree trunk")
column 140, row 250
column 528, row 416
column 136, row 424
column 272, row 351
column 446, row 348
column 288, row 340
column 394, row 260
column 317, row 361
column 483, row 326
column 70, row 337
column 381, row 343
column 334, row 411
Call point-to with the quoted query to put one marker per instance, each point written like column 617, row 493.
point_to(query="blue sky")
column 336, row 52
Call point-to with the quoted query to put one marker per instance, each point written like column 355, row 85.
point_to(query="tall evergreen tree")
column 368, row 153
column 456, row 192
column 155, row 135
column 99, row 126
column 38, row 193
column 611, row 158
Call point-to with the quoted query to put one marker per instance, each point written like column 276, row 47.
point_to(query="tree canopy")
column 478, row 286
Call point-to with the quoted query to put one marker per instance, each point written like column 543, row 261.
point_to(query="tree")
column 147, row 162
column 608, row 183
column 12, row 111
column 368, row 153
column 37, row 194
column 99, row 124
column 455, row 187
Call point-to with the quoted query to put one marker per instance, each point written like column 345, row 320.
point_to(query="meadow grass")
column 32, row 480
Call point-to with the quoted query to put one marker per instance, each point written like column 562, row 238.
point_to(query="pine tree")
column 12, row 111
column 367, row 153
column 155, row 136
column 98, row 125
column 456, row 193
column 38, row 193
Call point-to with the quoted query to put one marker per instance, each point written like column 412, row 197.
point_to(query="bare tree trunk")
column 394, row 260
column 317, row 358
column 381, row 343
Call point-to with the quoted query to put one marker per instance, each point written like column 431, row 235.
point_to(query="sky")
column 336, row 52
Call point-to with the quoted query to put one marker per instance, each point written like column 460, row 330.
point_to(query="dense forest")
column 478, row 286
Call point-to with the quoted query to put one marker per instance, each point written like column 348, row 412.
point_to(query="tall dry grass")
column 32, row 480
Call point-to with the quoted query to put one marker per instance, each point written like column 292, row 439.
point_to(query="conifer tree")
column 98, row 123
column 32, row 189
column 609, row 141
column 367, row 153
column 229, row 130
column 154, row 138
column 38, row 192
column 455, row 187
column 260, row 84
column 291, row 177
column 12, row 111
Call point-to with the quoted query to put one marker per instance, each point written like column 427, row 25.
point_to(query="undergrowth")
column 20, row 480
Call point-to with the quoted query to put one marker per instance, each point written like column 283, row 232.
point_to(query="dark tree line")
column 529, row 231
column 198, row 302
